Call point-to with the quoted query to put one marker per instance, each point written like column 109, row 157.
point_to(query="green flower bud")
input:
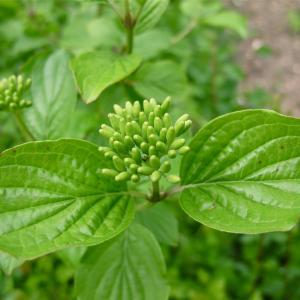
column 144, row 129
column 154, row 162
column 136, row 108
column 170, row 135
column 177, row 144
column 167, row 120
column 155, row 176
column 109, row 172
column 150, row 130
column 187, row 125
column 118, row 110
column 152, row 150
column 183, row 118
column 135, row 178
column 151, row 118
column 153, row 139
column 153, row 102
column 179, row 126
column 109, row 154
column 114, row 121
column 157, row 111
column 172, row 153
column 136, row 127
column 122, row 126
column 104, row 149
column 165, row 167
column 133, row 167
column 144, row 146
column 184, row 150
column 128, row 107
column 117, row 136
column 145, row 170
column 147, row 107
column 165, row 105
column 122, row 176
column 142, row 118
column 129, row 161
column 163, row 134
column 128, row 141
column 118, row 163
column 119, row 147
column 158, row 124
column 138, row 139
column 136, row 155
column 161, row 147
column 173, row 178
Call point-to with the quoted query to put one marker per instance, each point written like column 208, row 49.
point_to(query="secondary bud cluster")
column 142, row 140
column 11, row 93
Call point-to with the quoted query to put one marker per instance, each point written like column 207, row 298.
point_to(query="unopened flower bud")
column 109, row 172
column 145, row 170
column 165, row 167
column 155, row 176
column 173, row 178
column 172, row 153
column 177, row 144
column 154, row 162
column 184, row 150
column 118, row 163
column 123, row 176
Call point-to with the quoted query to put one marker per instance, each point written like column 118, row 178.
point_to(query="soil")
column 279, row 73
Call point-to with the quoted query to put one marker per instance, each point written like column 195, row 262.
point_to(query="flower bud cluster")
column 11, row 93
column 142, row 140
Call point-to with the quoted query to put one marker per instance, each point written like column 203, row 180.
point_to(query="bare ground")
column 279, row 73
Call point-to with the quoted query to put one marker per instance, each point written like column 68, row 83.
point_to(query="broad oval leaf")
column 53, row 95
column 52, row 196
column 95, row 71
column 131, row 266
column 152, row 11
column 243, row 173
column 160, row 79
column 162, row 222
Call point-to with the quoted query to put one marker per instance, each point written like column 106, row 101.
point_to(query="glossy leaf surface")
column 95, row 71
column 131, row 266
column 53, row 96
column 243, row 173
column 52, row 196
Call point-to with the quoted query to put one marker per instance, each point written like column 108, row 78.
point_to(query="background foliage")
column 185, row 49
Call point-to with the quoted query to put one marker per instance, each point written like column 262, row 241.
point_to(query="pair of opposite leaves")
column 241, row 175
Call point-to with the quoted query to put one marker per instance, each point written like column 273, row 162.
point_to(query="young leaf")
column 162, row 222
column 52, row 196
column 160, row 79
column 95, row 71
column 53, row 97
column 243, row 173
column 230, row 20
column 131, row 266
column 151, row 13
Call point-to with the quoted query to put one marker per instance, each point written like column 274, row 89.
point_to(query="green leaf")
column 160, row 79
column 53, row 96
column 52, row 196
column 230, row 20
column 131, row 266
column 151, row 13
column 72, row 256
column 95, row 71
column 8, row 263
column 243, row 173
column 162, row 222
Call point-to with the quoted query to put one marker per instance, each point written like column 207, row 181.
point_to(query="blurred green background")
column 212, row 57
